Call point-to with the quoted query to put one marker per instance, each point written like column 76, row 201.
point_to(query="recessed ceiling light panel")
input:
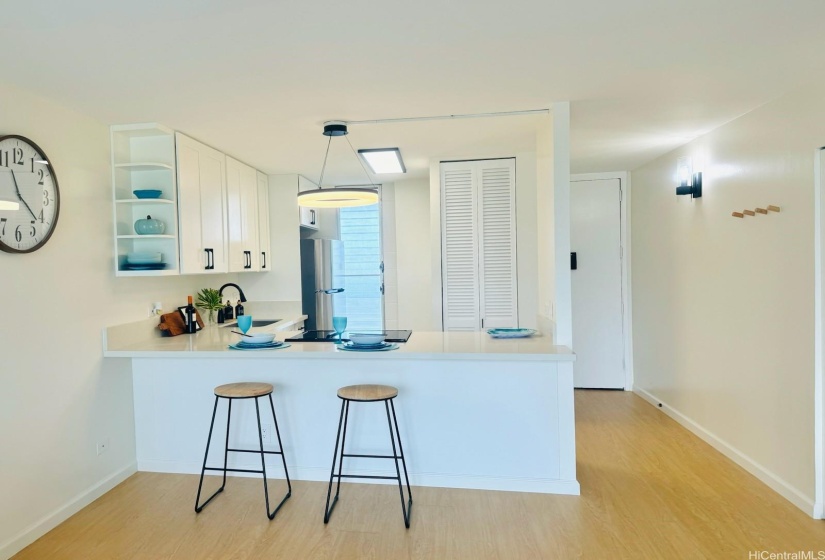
column 383, row 160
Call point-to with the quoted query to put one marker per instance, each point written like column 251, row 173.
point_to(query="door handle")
column 574, row 261
column 263, row 254
column 382, row 288
column 247, row 259
column 312, row 217
column 210, row 259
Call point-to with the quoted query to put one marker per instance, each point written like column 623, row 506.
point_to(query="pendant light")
column 338, row 197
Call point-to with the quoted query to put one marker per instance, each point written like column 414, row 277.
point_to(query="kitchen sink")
column 255, row 323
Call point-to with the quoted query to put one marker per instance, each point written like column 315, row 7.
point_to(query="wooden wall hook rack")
column 737, row 215
column 773, row 208
column 749, row 212
column 761, row 211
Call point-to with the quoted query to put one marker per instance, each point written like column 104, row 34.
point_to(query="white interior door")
column 595, row 238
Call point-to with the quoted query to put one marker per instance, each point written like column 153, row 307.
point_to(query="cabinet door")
column 242, row 205
column 479, row 272
column 309, row 216
column 264, row 240
column 201, row 207
column 498, row 280
column 459, row 252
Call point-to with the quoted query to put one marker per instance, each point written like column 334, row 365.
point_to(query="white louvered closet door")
column 458, row 248
column 479, row 244
column 497, row 243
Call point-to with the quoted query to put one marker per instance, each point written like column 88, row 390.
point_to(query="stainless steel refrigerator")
column 322, row 290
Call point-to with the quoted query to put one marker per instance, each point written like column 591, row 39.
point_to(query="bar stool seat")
column 242, row 391
column 365, row 394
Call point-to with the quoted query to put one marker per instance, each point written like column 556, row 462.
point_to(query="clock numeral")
column 4, row 158
column 17, row 153
column 18, row 235
column 46, row 198
column 40, row 174
column 3, row 226
column 33, row 231
column 40, row 217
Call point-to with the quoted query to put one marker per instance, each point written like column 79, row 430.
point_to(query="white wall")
column 283, row 283
column 59, row 397
column 545, row 250
column 412, row 233
column 723, row 318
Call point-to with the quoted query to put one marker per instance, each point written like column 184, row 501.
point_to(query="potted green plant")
column 209, row 300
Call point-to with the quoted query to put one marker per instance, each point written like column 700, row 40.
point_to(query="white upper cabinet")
column 309, row 216
column 214, row 209
column 242, row 206
column 478, row 244
column 264, row 240
column 202, row 208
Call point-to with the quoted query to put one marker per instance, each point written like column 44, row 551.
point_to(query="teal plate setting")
column 511, row 333
column 268, row 346
column 383, row 347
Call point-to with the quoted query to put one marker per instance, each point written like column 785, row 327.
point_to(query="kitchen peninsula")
column 474, row 412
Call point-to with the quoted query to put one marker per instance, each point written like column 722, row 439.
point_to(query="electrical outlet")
column 266, row 432
column 103, row 446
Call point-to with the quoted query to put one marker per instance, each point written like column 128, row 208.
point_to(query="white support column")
column 561, row 216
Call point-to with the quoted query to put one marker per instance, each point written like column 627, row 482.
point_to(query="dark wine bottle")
column 238, row 309
column 228, row 311
column 191, row 317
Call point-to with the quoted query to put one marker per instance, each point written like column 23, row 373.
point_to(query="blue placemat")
column 247, row 348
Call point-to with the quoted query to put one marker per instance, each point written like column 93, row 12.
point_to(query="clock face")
column 26, row 178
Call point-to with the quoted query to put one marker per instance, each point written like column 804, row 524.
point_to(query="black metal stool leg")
column 401, row 450
column 271, row 515
column 263, row 461
column 281, row 448
column 343, row 442
column 404, row 510
column 327, row 508
column 199, row 508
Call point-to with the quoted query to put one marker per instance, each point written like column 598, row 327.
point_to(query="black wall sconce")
column 689, row 182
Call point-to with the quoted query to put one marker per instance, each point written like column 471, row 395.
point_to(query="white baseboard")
column 819, row 510
column 773, row 481
column 61, row 514
column 437, row 480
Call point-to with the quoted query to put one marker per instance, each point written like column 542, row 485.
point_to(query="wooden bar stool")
column 231, row 392
column 369, row 393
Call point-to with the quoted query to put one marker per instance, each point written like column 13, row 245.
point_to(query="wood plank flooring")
column 650, row 489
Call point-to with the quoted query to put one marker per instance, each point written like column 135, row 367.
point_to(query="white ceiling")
column 257, row 78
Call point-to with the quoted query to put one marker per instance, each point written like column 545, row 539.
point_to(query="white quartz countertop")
column 214, row 341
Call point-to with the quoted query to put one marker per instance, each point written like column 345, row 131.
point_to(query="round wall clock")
column 27, row 179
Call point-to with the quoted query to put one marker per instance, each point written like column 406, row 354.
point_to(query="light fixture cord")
column 361, row 162
column 323, row 167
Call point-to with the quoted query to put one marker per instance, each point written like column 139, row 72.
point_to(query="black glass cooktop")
column 330, row 336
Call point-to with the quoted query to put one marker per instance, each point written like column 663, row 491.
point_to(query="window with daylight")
column 362, row 275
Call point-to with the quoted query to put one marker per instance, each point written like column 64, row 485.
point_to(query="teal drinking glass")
column 339, row 324
column 244, row 323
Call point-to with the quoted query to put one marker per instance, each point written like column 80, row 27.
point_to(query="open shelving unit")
column 143, row 157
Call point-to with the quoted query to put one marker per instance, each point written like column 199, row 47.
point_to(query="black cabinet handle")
column 312, row 217
column 247, row 259
column 210, row 259
column 263, row 254
column 574, row 262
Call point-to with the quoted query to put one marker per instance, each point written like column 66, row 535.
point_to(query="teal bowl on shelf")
column 148, row 193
